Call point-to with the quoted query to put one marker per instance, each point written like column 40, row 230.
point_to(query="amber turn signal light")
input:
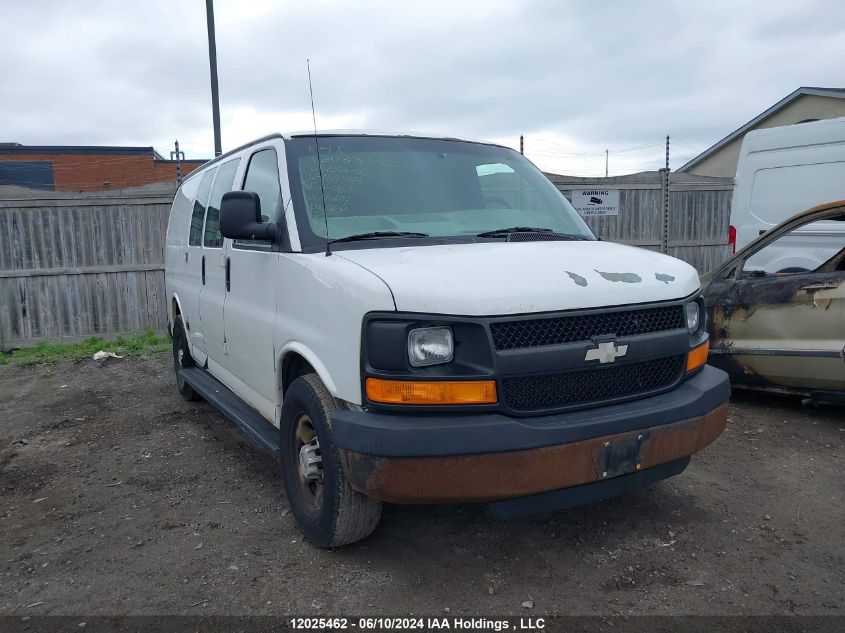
column 697, row 356
column 431, row 392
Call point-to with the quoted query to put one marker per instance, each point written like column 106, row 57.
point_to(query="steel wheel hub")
column 310, row 461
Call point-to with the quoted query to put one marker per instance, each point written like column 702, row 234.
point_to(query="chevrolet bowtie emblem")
column 606, row 352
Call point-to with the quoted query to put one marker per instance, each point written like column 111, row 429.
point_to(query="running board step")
column 251, row 423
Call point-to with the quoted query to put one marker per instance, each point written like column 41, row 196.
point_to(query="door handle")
column 228, row 274
column 203, row 270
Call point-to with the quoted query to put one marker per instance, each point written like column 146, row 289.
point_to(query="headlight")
column 693, row 316
column 430, row 346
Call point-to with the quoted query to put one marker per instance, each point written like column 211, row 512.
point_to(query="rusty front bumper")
column 503, row 475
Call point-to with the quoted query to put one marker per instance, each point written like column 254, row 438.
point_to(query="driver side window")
column 801, row 250
column 262, row 177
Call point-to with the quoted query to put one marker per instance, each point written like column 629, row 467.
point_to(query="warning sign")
column 590, row 202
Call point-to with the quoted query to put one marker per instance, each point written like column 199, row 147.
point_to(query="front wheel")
column 326, row 508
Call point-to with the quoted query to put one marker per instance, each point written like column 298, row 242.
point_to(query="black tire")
column 182, row 359
column 327, row 511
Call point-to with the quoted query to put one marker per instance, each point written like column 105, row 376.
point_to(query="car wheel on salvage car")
column 182, row 359
column 326, row 508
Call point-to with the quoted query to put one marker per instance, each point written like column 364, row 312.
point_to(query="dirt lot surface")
column 117, row 497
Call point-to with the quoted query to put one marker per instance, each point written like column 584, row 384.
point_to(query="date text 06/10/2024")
column 418, row 624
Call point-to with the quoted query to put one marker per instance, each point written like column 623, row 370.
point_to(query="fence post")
column 664, row 190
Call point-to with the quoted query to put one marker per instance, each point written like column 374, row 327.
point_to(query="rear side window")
column 222, row 184
column 183, row 206
column 262, row 177
column 195, row 238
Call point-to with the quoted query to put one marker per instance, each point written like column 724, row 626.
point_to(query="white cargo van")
column 783, row 171
column 415, row 319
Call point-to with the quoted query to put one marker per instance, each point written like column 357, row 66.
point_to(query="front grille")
column 552, row 391
column 572, row 329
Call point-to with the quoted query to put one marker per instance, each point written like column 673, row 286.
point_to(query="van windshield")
column 425, row 187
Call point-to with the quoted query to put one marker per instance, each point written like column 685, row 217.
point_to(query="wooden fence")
column 77, row 265
column 699, row 210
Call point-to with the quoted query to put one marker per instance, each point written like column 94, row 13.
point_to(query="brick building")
column 86, row 168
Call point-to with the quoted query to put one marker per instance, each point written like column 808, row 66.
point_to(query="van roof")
column 795, row 135
column 345, row 132
column 372, row 132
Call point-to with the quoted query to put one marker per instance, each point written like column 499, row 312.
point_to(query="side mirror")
column 240, row 217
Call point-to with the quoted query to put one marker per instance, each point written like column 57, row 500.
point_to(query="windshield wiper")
column 530, row 229
column 377, row 235
column 513, row 229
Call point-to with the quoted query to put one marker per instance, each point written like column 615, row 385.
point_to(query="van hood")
column 496, row 278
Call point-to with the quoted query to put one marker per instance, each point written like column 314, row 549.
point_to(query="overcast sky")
column 574, row 78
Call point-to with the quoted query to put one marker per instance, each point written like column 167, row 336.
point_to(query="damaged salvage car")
column 419, row 319
column 784, row 331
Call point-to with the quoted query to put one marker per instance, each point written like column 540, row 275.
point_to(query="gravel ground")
column 117, row 497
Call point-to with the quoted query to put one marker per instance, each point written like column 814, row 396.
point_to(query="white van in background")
column 783, row 171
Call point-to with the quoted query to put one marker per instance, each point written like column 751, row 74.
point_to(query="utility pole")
column 212, row 61
column 521, row 145
column 667, row 152
column 179, row 156
column 606, row 160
